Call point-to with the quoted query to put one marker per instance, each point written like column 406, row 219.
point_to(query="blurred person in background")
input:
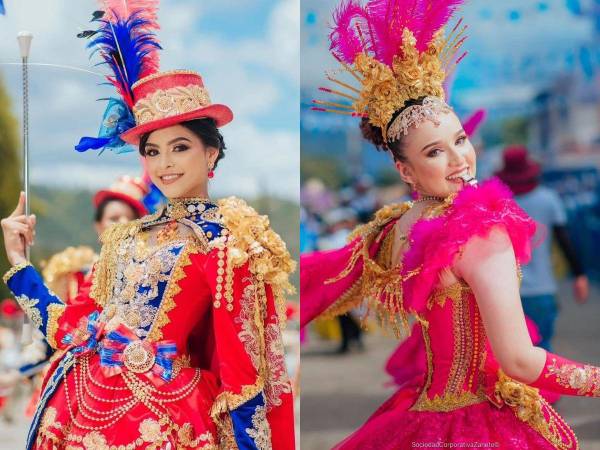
column 11, row 356
column 363, row 199
column 539, row 287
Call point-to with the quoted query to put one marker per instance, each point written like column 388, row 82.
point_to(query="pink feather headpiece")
column 397, row 51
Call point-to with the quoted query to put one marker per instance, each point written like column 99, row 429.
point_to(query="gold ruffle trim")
column 528, row 406
column 227, row 401
column 54, row 310
column 172, row 289
column 252, row 239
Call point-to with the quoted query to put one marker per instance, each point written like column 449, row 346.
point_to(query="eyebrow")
column 459, row 132
column 171, row 142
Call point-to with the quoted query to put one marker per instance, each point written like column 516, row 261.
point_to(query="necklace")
column 429, row 197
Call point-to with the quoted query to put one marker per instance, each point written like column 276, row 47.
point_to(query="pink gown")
column 455, row 393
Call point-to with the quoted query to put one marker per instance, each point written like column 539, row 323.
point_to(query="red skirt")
column 127, row 411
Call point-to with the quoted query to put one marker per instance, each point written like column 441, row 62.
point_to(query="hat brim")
column 106, row 194
column 220, row 113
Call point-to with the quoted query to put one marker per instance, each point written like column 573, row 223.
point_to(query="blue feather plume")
column 128, row 49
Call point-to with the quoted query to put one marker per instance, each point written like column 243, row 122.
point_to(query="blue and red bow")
column 85, row 337
column 113, row 358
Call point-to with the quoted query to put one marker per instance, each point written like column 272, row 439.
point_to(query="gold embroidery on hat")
column 170, row 102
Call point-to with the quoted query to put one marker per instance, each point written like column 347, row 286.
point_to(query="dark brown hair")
column 99, row 212
column 374, row 134
column 205, row 129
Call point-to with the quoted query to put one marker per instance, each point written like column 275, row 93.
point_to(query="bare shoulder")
column 482, row 250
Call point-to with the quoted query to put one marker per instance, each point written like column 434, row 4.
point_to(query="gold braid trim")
column 252, row 239
column 13, row 271
column 54, row 311
column 227, row 400
column 427, row 341
column 380, row 285
column 172, row 289
column 448, row 401
column 105, row 269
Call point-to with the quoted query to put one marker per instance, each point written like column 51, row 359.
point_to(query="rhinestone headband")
column 414, row 115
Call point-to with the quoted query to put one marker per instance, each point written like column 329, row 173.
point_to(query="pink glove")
column 569, row 377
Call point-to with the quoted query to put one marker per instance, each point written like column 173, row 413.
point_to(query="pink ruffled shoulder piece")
column 474, row 212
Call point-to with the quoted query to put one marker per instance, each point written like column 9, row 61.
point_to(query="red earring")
column 211, row 174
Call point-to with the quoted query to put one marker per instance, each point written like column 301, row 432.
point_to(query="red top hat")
column 520, row 173
column 168, row 98
column 127, row 189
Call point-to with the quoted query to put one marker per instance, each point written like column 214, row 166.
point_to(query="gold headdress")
column 397, row 50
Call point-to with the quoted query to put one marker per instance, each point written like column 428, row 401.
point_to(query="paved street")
column 340, row 392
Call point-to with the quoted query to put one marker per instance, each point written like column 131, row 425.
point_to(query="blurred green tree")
column 10, row 168
column 515, row 131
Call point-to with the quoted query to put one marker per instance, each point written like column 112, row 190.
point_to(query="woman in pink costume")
column 450, row 259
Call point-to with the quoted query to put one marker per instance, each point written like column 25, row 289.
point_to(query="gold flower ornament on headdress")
column 392, row 71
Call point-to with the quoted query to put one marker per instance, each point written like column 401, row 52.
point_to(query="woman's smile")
column 170, row 178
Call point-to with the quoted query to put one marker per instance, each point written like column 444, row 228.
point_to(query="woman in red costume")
column 176, row 342
column 450, row 258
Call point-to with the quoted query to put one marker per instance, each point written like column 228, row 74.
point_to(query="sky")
column 515, row 48
column 246, row 50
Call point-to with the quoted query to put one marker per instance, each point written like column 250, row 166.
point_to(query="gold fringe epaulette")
column 252, row 239
column 105, row 269
column 380, row 286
